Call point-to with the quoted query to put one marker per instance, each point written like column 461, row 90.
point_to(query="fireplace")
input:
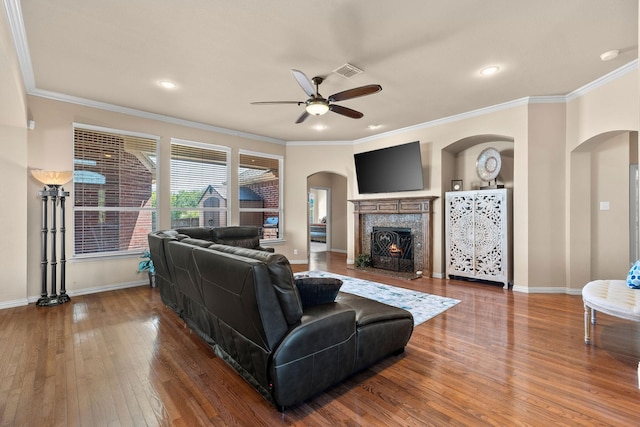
column 392, row 249
column 413, row 213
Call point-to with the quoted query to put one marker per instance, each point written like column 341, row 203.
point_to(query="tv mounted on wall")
column 391, row 169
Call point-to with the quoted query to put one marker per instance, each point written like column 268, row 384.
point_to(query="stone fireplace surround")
column 411, row 212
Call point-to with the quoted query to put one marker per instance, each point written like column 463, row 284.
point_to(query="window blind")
column 114, row 191
column 199, row 184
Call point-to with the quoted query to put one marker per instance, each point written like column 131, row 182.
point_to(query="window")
column 114, row 190
column 260, row 198
column 199, row 177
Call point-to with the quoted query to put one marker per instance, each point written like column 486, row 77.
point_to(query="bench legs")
column 589, row 319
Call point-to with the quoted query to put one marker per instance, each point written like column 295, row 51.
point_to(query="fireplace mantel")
column 404, row 205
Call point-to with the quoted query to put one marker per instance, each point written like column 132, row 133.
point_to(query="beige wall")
column 13, row 174
column 322, row 165
column 439, row 142
column 610, row 185
column 465, row 165
column 51, row 147
column 546, row 196
column 593, row 118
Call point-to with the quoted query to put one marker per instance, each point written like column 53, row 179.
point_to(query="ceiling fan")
column 317, row 105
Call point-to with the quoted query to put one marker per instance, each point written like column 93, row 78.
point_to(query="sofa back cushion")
column 203, row 233
column 196, row 242
column 164, row 277
column 281, row 278
column 238, row 294
column 185, row 275
column 244, row 237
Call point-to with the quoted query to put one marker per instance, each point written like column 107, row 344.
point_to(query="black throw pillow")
column 317, row 290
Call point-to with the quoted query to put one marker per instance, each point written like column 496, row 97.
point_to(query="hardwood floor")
column 498, row 358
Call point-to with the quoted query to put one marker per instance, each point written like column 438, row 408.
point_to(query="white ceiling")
column 223, row 55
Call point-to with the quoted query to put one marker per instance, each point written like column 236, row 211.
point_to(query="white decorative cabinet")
column 478, row 229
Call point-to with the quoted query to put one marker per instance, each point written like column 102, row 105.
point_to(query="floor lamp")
column 53, row 181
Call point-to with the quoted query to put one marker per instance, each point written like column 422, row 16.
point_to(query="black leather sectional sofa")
column 244, row 302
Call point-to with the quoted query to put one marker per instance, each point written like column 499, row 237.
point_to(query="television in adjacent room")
column 389, row 170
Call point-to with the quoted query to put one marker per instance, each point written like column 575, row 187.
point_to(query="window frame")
column 74, row 208
column 280, row 209
column 203, row 146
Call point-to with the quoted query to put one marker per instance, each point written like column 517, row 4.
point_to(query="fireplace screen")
column 392, row 249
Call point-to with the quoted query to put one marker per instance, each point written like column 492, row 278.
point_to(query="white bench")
column 612, row 297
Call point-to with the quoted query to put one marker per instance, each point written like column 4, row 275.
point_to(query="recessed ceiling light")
column 167, row 84
column 320, row 127
column 609, row 55
column 374, row 126
column 488, row 71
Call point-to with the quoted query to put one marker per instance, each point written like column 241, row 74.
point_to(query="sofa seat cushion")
column 369, row 311
column 281, row 278
column 317, row 290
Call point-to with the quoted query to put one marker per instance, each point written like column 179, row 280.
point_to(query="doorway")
column 319, row 219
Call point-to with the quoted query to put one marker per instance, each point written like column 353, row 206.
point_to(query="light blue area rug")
column 422, row 306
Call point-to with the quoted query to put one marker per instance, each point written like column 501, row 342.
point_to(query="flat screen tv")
column 390, row 169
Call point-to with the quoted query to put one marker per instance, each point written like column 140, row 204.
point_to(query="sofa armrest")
column 314, row 355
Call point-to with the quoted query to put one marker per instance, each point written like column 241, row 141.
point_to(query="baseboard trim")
column 547, row 290
column 98, row 289
column 15, row 303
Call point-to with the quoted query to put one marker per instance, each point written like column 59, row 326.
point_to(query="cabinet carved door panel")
column 477, row 235
column 460, row 235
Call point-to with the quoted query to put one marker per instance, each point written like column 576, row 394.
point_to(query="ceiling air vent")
column 348, row 71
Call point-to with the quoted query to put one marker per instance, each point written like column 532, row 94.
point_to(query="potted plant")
column 363, row 261
column 146, row 264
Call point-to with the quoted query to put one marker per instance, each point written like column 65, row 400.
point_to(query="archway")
column 333, row 217
column 602, row 221
column 458, row 161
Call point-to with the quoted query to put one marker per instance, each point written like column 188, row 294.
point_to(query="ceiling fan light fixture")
column 317, row 107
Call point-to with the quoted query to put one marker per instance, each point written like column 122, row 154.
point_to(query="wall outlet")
column 295, row 252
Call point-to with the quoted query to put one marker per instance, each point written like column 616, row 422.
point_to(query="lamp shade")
column 52, row 177
column 317, row 107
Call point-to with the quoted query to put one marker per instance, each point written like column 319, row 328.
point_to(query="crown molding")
column 601, row 81
column 450, row 119
column 554, row 99
column 16, row 27
column 313, row 143
column 147, row 115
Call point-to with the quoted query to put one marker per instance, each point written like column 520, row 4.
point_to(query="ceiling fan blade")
column 345, row 111
column 277, row 102
column 304, row 82
column 355, row 93
column 302, row 117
